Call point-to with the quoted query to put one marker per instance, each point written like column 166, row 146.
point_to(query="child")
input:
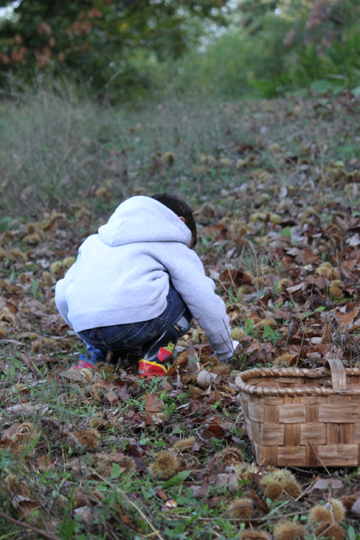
column 138, row 283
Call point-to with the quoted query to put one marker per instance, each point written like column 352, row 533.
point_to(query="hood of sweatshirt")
column 143, row 219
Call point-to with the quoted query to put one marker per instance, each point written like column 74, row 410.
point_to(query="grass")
column 57, row 147
column 66, row 164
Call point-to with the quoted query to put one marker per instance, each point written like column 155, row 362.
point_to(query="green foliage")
column 230, row 63
column 337, row 68
column 249, row 327
column 101, row 41
column 320, row 50
column 271, row 335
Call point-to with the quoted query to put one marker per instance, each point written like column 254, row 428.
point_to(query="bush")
column 228, row 66
column 337, row 68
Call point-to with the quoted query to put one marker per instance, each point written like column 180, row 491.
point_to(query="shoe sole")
column 148, row 370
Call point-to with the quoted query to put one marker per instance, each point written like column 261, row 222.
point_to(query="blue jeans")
column 123, row 337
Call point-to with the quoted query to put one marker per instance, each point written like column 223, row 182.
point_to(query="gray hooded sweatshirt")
column 122, row 274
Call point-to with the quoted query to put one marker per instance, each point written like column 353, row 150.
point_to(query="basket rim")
column 262, row 391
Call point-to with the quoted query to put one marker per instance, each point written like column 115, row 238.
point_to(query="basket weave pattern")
column 301, row 417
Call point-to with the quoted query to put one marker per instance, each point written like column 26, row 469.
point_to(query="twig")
column 27, row 526
column 256, row 265
column 306, row 490
column 129, row 501
column 241, row 520
column 298, row 357
column 316, row 454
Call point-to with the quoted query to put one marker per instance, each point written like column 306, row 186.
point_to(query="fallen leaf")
column 227, row 481
column 355, row 509
column 153, row 404
column 7, row 436
column 201, row 492
column 323, row 484
column 74, row 375
column 112, row 397
column 27, row 407
column 205, row 378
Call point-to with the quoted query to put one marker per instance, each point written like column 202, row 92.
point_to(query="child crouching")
column 138, row 283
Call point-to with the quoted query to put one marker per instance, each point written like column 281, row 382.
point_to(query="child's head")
column 181, row 209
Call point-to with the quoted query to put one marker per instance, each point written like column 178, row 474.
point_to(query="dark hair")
column 180, row 208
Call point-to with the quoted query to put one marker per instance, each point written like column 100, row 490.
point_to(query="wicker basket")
column 301, row 417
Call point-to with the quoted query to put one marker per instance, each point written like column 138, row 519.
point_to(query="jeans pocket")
column 94, row 334
column 113, row 336
column 142, row 333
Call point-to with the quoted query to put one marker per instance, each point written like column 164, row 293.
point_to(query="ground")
column 112, row 456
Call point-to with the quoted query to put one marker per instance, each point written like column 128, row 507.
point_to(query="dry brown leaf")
column 326, row 335
column 153, row 404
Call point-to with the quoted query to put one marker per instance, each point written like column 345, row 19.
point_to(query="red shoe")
column 82, row 364
column 148, row 370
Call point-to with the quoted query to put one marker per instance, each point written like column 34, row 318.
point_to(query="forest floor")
column 276, row 187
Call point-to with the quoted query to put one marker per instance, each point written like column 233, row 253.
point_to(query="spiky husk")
column 338, row 510
column 184, row 445
column 25, row 430
column 160, row 415
column 242, row 508
column 128, row 464
column 17, row 486
column 3, row 331
column 68, row 262
column 250, row 472
column 36, row 346
column 284, row 359
column 47, row 277
column 89, row 438
column 34, row 238
column 18, row 255
column 289, row 482
column 187, row 463
column 103, row 464
column 25, row 433
column 243, row 289
column 198, row 335
column 330, row 530
column 31, row 227
column 165, row 466
column 81, row 497
column 289, row 530
column 87, row 374
column 195, row 391
column 238, row 334
column 209, row 360
column 335, row 290
column 100, row 423
column 168, row 158
column 55, row 267
column 327, row 270
column 250, row 534
column 349, row 501
column 107, row 369
column 319, row 514
column 264, row 322
column 271, row 487
column 284, row 283
column 280, row 479
column 227, row 457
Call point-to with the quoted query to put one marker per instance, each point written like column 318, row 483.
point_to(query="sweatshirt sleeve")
column 198, row 292
column 60, row 288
